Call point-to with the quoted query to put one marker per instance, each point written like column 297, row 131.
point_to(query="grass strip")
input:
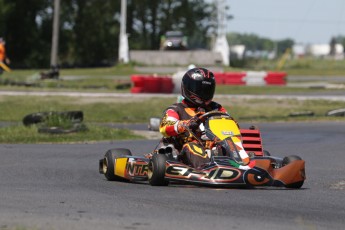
column 139, row 110
column 21, row 134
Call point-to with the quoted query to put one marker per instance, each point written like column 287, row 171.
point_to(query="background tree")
column 150, row 19
column 89, row 29
column 255, row 43
column 96, row 32
column 341, row 39
column 22, row 30
column 284, row 45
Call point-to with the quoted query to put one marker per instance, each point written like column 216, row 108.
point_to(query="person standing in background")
column 3, row 58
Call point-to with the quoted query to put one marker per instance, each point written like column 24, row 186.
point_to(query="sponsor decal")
column 206, row 83
column 217, row 174
column 166, row 122
column 258, row 177
column 230, row 133
column 137, row 168
column 182, row 171
column 224, row 174
column 196, row 76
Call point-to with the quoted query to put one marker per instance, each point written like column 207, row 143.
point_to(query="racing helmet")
column 198, row 86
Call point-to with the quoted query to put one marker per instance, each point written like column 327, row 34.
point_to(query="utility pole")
column 123, row 46
column 221, row 45
column 55, row 36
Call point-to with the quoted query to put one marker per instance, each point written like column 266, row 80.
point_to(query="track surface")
column 57, row 186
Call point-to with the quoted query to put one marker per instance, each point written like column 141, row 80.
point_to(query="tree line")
column 89, row 29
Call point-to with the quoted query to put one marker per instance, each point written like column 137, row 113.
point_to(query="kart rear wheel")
column 287, row 160
column 107, row 166
column 157, row 170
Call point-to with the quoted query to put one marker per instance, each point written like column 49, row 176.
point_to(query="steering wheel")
column 202, row 118
column 211, row 114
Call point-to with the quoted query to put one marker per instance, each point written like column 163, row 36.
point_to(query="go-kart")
column 237, row 159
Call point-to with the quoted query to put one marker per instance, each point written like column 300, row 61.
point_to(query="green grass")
column 119, row 70
column 304, row 66
column 271, row 90
column 97, row 111
column 111, row 79
column 21, row 134
column 100, row 111
column 268, row 110
column 139, row 110
column 107, row 78
column 117, row 78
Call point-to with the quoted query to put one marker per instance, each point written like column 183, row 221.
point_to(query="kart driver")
column 197, row 88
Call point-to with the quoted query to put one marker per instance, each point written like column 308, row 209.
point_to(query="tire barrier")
column 40, row 117
column 171, row 84
column 77, row 127
column 336, row 112
column 55, row 122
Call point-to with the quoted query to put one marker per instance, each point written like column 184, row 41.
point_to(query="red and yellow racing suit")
column 191, row 152
column 2, row 52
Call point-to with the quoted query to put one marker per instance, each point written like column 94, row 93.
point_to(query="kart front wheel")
column 287, row 160
column 107, row 164
column 157, row 170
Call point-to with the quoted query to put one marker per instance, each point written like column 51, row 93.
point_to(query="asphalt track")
column 57, row 186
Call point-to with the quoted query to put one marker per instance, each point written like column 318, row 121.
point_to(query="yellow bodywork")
column 224, row 128
column 120, row 166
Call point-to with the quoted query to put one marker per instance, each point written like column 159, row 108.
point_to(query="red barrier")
column 275, row 78
column 138, row 80
column 137, row 90
column 234, row 78
column 167, row 85
column 219, row 77
column 151, row 84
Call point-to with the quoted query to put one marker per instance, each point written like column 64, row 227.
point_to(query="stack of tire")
column 75, row 118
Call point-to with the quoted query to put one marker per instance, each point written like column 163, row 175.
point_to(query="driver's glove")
column 184, row 124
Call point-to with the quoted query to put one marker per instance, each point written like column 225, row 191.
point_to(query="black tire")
column 157, row 170
column 287, row 160
column 109, row 160
column 35, row 118
column 266, row 153
column 336, row 112
column 77, row 127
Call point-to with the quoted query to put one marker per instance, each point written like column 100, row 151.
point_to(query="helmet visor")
column 203, row 89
